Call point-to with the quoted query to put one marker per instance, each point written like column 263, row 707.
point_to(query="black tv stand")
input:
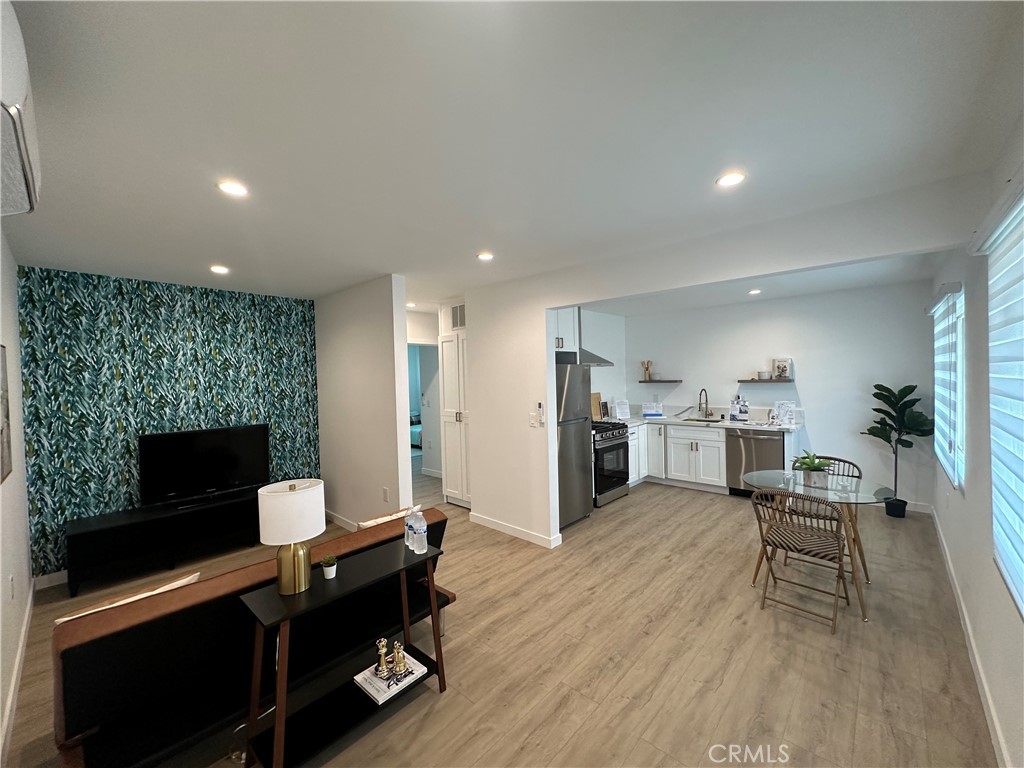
column 159, row 535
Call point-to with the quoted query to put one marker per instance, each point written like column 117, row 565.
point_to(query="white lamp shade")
column 290, row 516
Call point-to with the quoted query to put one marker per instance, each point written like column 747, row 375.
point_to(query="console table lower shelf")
column 328, row 708
column 324, row 721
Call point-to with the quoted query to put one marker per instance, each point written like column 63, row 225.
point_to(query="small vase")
column 330, row 570
column 815, row 478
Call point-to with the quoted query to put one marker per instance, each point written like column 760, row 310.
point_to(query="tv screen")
column 183, row 465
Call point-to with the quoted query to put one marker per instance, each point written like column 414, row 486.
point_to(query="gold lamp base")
column 293, row 568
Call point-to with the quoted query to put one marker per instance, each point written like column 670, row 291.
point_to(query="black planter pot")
column 896, row 508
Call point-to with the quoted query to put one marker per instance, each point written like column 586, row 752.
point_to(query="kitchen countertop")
column 721, row 424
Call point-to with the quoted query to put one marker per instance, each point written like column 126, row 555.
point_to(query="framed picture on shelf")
column 782, row 368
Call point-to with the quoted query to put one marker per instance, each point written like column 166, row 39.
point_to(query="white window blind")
column 948, row 312
column 1005, row 251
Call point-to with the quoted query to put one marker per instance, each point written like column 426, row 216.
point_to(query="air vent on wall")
column 459, row 316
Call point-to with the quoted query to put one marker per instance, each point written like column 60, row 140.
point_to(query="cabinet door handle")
column 659, row 431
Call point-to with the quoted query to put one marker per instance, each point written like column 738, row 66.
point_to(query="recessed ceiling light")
column 754, row 292
column 730, row 178
column 410, row 305
column 217, row 269
column 485, row 256
column 233, row 188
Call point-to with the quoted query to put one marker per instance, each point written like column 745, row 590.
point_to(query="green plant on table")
column 328, row 561
column 810, row 462
column 899, row 419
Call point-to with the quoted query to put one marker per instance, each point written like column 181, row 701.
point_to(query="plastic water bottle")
column 410, row 515
column 419, row 533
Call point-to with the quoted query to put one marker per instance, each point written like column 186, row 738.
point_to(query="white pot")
column 816, row 478
column 330, row 570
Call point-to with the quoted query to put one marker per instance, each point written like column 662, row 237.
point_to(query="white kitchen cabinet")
column 695, row 455
column 567, row 329
column 634, row 457
column 641, row 443
column 655, row 450
column 454, row 418
column 710, row 467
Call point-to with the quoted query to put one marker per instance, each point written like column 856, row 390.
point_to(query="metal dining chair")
column 808, row 526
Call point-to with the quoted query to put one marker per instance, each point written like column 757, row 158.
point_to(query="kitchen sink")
column 705, row 421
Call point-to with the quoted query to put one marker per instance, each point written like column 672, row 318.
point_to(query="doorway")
column 425, row 425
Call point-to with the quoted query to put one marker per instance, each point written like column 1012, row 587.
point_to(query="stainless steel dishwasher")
column 748, row 450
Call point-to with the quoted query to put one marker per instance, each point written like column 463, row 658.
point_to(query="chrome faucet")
column 703, row 405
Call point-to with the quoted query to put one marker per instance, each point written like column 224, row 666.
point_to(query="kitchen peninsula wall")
column 841, row 343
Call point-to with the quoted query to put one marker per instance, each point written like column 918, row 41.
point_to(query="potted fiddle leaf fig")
column 898, row 421
column 813, row 468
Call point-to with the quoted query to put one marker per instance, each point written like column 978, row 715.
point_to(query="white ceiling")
column 403, row 138
column 779, row 285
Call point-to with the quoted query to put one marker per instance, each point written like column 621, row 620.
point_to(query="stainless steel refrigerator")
column 575, row 444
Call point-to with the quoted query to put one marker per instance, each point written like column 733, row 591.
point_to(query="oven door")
column 611, row 470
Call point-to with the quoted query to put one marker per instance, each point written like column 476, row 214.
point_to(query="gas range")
column 604, row 431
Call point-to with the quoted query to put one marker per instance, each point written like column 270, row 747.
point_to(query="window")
column 948, row 312
column 1005, row 251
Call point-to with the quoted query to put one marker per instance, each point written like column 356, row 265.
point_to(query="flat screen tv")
column 184, row 465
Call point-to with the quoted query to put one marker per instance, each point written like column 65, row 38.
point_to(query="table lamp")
column 291, row 513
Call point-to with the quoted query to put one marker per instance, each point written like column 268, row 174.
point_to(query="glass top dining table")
column 841, row 490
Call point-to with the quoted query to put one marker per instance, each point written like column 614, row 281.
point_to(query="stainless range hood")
column 594, row 361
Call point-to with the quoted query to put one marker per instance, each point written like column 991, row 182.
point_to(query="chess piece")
column 381, row 670
column 399, row 657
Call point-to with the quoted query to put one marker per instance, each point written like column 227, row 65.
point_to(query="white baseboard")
column 50, row 579
column 344, row 522
column 12, row 693
column 998, row 740
column 431, row 472
column 512, row 530
column 720, row 489
column 928, row 509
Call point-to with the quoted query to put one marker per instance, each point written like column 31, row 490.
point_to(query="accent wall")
column 106, row 359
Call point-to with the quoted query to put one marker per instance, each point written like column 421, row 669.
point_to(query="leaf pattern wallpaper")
column 106, row 359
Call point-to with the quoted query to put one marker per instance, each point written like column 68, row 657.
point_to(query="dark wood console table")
column 329, row 709
column 134, row 539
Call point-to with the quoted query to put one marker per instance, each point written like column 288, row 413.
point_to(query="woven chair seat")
column 807, row 543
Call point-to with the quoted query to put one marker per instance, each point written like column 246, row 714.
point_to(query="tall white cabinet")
column 451, row 354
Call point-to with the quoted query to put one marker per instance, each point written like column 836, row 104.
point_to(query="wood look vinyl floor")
column 639, row 642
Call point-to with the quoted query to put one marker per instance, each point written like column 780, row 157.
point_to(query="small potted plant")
column 330, row 564
column 813, row 468
column 899, row 419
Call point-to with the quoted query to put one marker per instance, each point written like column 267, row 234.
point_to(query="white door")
column 451, row 353
column 710, row 463
column 453, row 450
column 679, row 459
column 634, row 459
column 655, row 450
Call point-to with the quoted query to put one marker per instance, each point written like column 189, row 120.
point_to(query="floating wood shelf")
column 661, row 381
column 765, row 381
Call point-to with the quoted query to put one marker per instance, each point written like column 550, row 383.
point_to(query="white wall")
column 964, row 519
column 605, row 335
column 512, row 346
column 421, row 327
column 841, row 343
column 362, row 390
column 430, row 411
column 15, row 564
